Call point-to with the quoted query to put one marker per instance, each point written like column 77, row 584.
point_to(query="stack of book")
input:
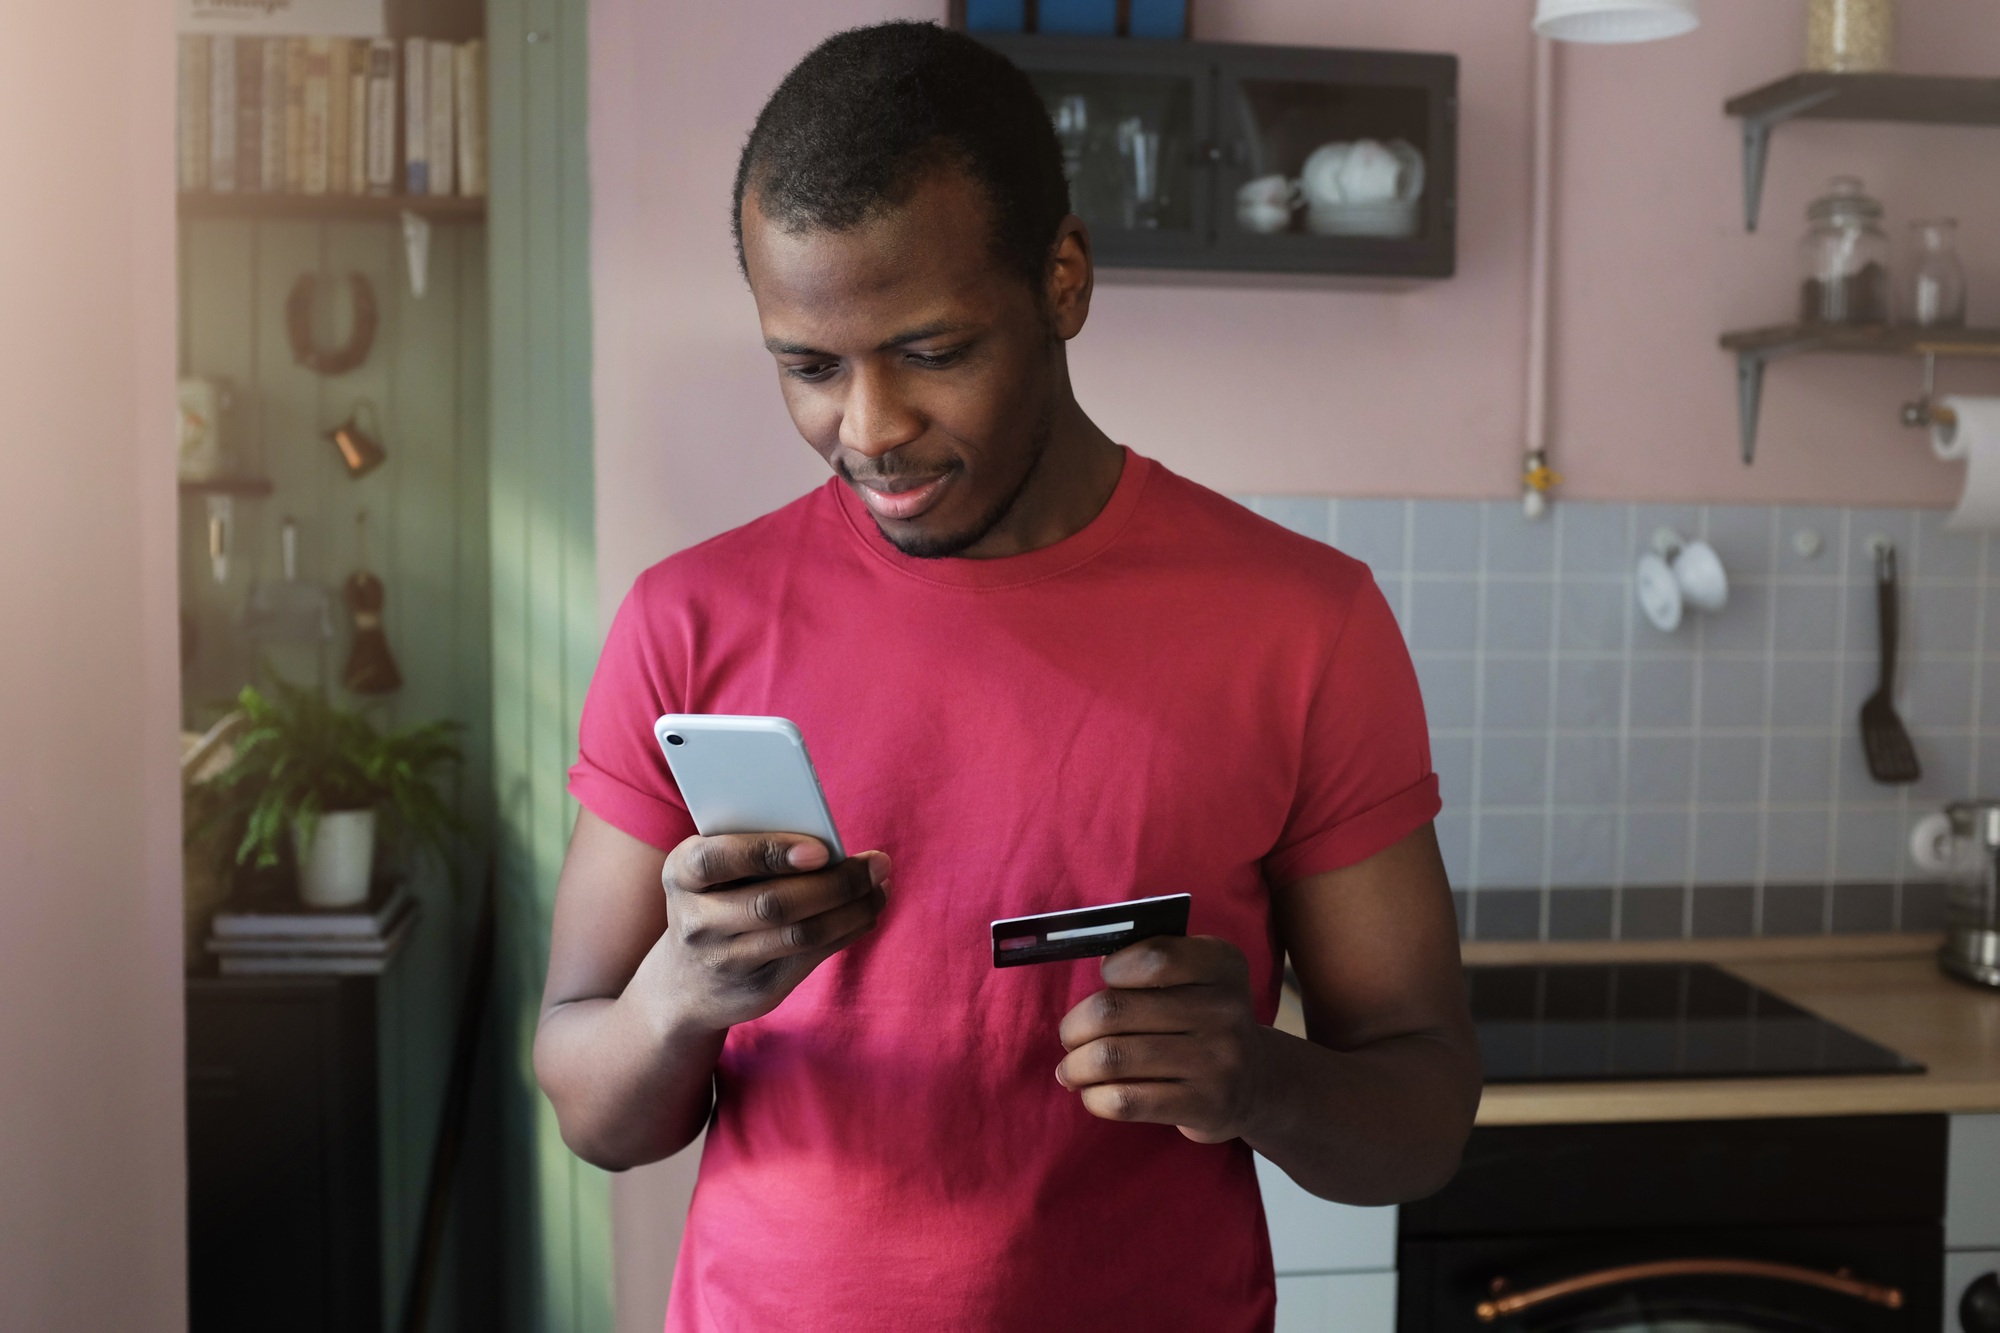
column 277, row 935
column 332, row 115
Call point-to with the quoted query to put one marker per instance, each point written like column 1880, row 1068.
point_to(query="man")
column 1036, row 671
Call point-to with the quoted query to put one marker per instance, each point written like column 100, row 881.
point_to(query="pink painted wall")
column 92, row 1194
column 1297, row 388
column 1262, row 388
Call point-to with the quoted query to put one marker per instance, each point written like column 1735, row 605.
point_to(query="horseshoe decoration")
column 299, row 326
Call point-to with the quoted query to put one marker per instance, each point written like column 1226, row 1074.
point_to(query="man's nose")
column 876, row 418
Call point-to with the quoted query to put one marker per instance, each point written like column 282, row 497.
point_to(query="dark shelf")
column 1911, row 98
column 1757, row 348
column 248, row 487
column 443, row 209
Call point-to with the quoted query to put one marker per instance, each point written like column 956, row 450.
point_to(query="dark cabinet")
column 284, row 1155
column 1160, row 138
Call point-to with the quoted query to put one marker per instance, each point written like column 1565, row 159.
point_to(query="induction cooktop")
column 1592, row 1022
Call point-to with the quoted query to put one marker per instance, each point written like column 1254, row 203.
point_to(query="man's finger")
column 702, row 863
column 1129, row 1058
column 828, row 931
column 1142, row 1103
column 766, row 904
column 1176, row 960
column 1115, row 1010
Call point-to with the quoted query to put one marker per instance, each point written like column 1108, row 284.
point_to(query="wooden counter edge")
column 1500, row 953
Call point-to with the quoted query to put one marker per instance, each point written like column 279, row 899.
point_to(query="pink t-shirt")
column 1182, row 697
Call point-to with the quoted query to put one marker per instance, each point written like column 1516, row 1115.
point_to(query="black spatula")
column 1891, row 757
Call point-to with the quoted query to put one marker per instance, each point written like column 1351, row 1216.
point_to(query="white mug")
column 1265, row 204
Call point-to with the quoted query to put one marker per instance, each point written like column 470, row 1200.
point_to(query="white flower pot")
column 337, row 865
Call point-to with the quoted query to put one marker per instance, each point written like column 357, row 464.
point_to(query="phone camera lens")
column 675, row 738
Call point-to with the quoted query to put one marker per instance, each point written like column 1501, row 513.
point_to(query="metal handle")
column 1502, row 1303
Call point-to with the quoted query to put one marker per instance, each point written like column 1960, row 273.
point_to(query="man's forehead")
column 906, row 268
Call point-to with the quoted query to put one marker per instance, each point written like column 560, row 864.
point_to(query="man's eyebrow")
column 935, row 329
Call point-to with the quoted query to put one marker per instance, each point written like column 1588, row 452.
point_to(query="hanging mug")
column 360, row 450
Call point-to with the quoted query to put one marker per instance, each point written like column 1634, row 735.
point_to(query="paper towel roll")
column 1975, row 439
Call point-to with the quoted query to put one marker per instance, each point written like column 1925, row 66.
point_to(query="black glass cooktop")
column 1576, row 1023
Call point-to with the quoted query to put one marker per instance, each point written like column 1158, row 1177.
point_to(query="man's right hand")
column 749, row 915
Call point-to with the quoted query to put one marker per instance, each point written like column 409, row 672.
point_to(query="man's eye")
column 812, row 372
column 934, row 360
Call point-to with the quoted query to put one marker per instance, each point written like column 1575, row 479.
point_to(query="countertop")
column 1886, row 987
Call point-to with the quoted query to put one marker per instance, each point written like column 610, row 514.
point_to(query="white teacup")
column 1370, row 173
column 1265, row 204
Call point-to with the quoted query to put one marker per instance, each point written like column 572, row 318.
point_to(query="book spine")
column 381, row 117
column 249, row 114
column 337, row 122
column 416, row 117
column 357, row 122
column 442, row 153
column 295, row 114
column 193, row 115
column 318, row 108
column 222, row 115
column 469, row 82
column 271, row 168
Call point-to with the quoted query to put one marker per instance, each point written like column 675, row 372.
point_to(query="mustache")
column 889, row 470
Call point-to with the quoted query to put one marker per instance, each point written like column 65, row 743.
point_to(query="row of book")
column 332, row 115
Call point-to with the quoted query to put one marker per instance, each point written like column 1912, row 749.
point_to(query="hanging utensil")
column 360, row 449
column 1892, row 759
column 288, row 611
column 371, row 667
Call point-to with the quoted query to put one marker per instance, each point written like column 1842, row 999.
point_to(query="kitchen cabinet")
column 1971, row 1216
column 1159, row 136
column 1336, row 1264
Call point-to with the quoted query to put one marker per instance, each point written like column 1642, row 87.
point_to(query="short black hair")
column 871, row 111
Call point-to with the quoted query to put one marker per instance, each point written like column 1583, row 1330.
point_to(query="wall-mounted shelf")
column 1757, row 348
column 1914, row 98
column 442, row 209
column 249, row 488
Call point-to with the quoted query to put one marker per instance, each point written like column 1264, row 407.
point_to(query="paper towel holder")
column 1923, row 414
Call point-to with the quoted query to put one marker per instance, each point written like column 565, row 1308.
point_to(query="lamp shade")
column 1614, row 20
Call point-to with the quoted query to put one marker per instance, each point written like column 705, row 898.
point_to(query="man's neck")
column 1070, row 485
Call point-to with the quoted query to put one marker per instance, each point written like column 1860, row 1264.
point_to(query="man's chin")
column 921, row 542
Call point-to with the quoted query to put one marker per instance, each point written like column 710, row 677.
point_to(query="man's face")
column 923, row 372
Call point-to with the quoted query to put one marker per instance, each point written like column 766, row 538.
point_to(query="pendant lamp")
column 1603, row 21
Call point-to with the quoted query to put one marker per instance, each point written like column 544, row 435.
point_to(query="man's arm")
column 653, row 956
column 1375, row 1107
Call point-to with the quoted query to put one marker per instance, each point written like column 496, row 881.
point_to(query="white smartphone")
column 746, row 775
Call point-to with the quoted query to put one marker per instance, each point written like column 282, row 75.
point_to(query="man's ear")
column 1071, row 277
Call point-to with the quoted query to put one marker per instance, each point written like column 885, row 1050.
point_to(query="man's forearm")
column 1384, row 1123
column 629, row 1085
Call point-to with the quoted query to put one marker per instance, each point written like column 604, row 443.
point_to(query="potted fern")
column 322, row 778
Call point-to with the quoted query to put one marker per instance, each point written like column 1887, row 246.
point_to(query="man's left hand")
column 1171, row 1040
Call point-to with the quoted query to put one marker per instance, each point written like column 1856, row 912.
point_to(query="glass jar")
column 1937, row 279
column 1846, row 256
column 1851, row 36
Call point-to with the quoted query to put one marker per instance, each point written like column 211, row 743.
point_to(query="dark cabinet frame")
column 1220, row 155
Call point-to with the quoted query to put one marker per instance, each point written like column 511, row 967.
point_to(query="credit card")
column 1087, row 932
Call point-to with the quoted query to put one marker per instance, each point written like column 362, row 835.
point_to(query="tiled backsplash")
column 1605, row 780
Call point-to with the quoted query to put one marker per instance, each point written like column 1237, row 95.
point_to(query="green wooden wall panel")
column 544, row 596
column 429, row 541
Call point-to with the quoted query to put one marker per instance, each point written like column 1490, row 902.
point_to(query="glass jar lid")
column 1845, row 200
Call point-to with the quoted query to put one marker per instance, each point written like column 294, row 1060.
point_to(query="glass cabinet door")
column 1336, row 161
column 1133, row 119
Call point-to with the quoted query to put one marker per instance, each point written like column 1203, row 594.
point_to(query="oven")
column 1826, row 1225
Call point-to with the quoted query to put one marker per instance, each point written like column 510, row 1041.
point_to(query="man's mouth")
column 900, row 499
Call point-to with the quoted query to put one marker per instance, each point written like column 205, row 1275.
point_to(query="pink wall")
column 92, row 1227
column 1294, row 388
column 1277, row 387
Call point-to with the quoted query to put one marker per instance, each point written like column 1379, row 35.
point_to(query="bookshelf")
column 439, row 210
